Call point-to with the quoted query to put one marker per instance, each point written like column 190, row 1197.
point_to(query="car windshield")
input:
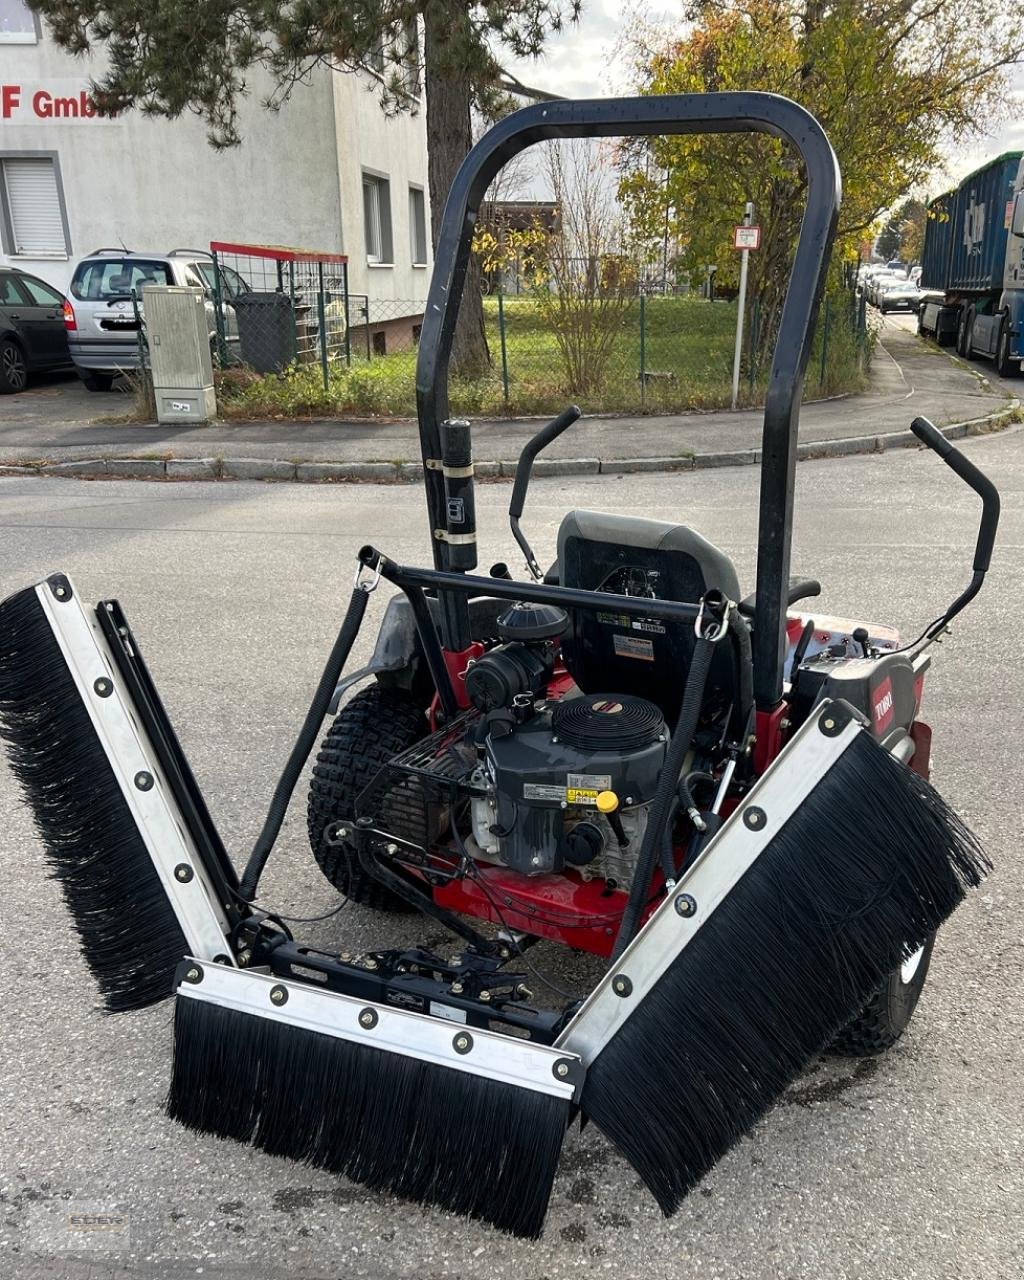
column 108, row 279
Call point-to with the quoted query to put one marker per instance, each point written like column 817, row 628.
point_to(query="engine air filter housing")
column 607, row 722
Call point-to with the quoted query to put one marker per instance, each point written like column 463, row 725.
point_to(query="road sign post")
column 746, row 237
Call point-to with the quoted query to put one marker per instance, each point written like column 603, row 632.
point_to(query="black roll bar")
column 634, row 117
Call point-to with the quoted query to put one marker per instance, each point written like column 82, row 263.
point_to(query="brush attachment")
column 406, row 1103
column 100, row 808
column 843, row 862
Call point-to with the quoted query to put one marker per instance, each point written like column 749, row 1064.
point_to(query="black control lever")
column 524, row 468
column 930, row 435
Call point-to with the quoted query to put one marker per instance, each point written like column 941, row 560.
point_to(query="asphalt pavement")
column 908, row 377
column 905, row 1167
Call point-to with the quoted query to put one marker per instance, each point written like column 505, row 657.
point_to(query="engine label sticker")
column 541, row 791
column 633, row 647
column 589, row 781
column 575, row 795
column 447, row 1011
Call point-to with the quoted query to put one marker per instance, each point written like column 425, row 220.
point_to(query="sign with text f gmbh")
column 745, row 237
column 49, row 102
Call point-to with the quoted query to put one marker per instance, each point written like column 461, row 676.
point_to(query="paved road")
column 908, row 377
column 908, row 1167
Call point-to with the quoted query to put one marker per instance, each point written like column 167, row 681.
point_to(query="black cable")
column 304, row 743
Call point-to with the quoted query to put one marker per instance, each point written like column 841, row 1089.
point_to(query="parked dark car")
column 32, row 333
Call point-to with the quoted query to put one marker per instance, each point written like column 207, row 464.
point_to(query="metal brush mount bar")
column 636, row 117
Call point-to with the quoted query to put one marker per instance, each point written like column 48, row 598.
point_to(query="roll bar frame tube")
column 634, row 117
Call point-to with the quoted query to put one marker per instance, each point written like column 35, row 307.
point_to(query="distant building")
column 328, row 171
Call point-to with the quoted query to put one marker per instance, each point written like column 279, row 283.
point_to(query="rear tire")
column 13, row 368
column 886, row 1015
column 369, row 730
column 97, row 381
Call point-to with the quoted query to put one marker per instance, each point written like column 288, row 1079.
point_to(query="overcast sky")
column 581, row 63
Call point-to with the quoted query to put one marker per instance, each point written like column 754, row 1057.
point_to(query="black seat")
column 650, row 658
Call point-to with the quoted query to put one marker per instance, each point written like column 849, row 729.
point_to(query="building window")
column 18, row 24
column 418, row 226
column 377, row 219
column 33, row 207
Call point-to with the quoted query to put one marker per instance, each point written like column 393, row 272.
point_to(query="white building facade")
column 328, row 171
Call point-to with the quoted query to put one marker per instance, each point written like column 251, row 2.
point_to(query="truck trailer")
column 972, row 267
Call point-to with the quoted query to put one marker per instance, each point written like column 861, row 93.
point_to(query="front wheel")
column 887, row 1014
column 375, row 726
column 1005, row 366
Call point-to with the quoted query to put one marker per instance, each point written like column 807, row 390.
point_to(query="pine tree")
column 149, row 69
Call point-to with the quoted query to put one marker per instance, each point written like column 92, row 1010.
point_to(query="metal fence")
column 636, row 353
column 276, row 307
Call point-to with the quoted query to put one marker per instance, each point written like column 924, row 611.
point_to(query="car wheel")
column 1005, row 367
column 13, row 368
column 97, row 381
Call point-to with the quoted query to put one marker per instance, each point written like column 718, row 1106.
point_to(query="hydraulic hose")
column 305, row 741
column 665, row 795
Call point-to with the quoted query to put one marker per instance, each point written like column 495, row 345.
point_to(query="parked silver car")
column 100, row 312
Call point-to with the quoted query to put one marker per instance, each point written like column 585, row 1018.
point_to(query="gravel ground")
column 907, row 1167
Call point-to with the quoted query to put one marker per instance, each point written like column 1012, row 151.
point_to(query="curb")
column 279, row 470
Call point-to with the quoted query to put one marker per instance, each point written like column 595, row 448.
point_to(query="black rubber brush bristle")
column 128, row 932
column 854, row 883
column 478, row 1147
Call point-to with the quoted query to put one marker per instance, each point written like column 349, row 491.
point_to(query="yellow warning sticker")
column 577, row 795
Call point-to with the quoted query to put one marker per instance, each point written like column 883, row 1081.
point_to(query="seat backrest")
column 612, row 653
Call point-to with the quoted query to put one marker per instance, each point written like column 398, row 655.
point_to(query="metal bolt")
column 621, row 985
column 554, row 738
column 391, row 849
column 685, row 905
column 60, row 592
column 523, row 992
column 754, row 818
column 278, row 995
column 244, row 956
column 561, row 1069
column 368, row 1018
column 195, row 974
column 485, row 996
column 463, row 1042
column 629, row 800
column 456, row 961
column 183, row 872
column 829, row 723
column 370, row 963
column 144, row 780
column 103, row 687
column 341, row 833
column 457, row 988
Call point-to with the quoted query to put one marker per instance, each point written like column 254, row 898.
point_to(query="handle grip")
column 526, row 459
column 930, row 435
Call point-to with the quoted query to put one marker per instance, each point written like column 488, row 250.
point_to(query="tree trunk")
column 449, row 138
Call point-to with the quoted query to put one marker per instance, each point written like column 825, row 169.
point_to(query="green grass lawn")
column 687, row 353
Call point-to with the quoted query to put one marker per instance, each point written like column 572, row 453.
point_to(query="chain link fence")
column 279, row 308
column 626, row 353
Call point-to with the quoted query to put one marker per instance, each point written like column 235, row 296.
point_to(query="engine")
column 570, row 783
column 558, row 782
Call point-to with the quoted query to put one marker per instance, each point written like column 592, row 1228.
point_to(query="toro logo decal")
column 882, row 706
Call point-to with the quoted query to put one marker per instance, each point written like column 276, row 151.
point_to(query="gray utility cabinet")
column 178, row 333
